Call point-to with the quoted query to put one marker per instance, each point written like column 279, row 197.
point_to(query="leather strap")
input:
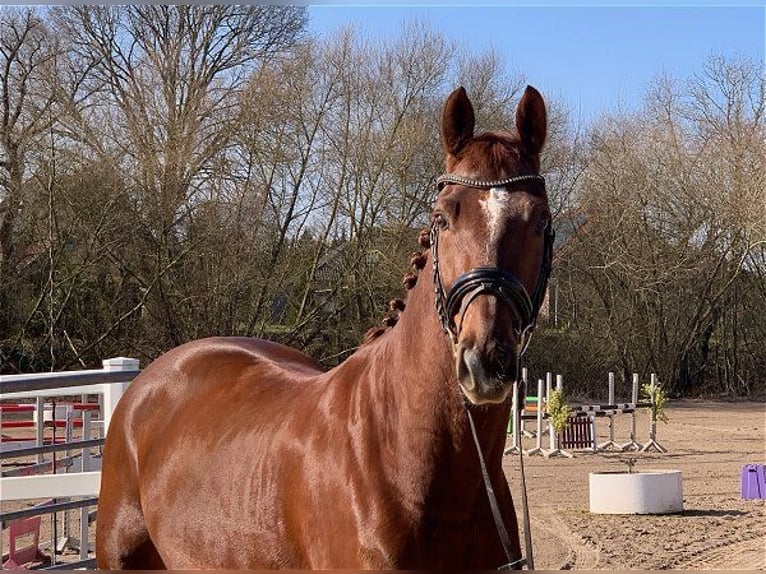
column 499, row 524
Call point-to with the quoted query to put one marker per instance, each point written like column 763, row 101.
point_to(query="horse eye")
column 440, row 220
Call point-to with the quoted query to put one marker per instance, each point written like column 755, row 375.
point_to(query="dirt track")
column 709, row 443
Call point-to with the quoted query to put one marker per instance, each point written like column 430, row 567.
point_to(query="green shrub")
column 658, row 399
column 558, row 411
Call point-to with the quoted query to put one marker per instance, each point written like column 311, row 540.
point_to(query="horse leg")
column 122, row 537
column 123, row 542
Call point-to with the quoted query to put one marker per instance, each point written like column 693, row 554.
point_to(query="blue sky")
column 596, row 59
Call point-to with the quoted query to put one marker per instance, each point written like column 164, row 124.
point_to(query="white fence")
column 109, row 382
column 82, row 479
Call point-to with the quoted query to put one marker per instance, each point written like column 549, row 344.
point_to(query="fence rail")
column 46, row 381
column 90, row 564
column 48, row 448
column 6, row 517
column 109, row 383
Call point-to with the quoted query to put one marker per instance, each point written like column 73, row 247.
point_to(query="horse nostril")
column 504, row 359
column 469, row 367
column 463, row 372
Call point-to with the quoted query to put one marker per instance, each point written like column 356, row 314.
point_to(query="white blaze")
column 494, row 209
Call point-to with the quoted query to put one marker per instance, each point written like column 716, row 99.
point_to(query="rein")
column 525, row 308
column 502, row 532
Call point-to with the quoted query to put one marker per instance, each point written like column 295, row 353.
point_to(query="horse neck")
column 424, row 419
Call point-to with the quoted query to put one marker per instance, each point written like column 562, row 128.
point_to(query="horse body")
column 242, row 453
column 315, row 448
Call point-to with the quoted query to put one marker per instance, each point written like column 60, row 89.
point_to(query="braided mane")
column 396, row 306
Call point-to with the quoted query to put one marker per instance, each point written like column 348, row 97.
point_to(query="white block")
column 642, row 492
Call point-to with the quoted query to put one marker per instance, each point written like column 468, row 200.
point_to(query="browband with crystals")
column 443, row 180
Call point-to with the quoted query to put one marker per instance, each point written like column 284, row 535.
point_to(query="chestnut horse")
column 241, row 453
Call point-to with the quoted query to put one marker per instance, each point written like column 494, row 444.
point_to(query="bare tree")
column 28, row 69
column 674, row 213
column 27, row 60
column 171, row 77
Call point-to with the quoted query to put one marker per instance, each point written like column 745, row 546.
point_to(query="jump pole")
column 525, row 380
column 632, row 444
column 548, row 387
column 515, row 422
column 610, row 443
column 653, row 444
column 539, row 440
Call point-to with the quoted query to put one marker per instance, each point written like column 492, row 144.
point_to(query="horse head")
column 491, row 243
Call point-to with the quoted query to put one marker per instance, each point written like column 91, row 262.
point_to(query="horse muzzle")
column 486, row 372
column 486, row 364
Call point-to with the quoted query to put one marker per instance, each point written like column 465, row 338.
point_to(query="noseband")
column 494, row 281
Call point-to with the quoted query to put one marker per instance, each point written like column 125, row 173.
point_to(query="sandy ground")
column 708, row 442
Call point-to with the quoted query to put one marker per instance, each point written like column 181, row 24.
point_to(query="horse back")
column 219, row 370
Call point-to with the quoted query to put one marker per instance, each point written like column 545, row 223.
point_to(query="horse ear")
column 458, row 121
column 531, row 121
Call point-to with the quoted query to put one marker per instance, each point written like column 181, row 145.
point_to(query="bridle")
column 505, row 286
column 495, row 281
